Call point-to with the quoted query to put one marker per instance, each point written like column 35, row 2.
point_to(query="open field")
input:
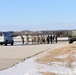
column 11, row 55
column 59, row 59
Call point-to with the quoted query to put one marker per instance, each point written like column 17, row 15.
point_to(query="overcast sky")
column 16, row 15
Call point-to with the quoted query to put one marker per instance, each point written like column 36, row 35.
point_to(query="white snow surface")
column 63, row 56
column 31, row 67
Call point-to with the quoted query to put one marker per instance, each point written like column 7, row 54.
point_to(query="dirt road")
column 11, row 55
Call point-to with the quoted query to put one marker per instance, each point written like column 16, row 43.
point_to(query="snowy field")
column 32, row 67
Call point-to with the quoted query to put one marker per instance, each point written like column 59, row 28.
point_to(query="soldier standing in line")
column 56, row 38
column 32, row 39
column 37, row 39
column 48, row 40
column 43, row 39
column 40, row 39
column 51, row 39
column 27, row 39
column 22, row 39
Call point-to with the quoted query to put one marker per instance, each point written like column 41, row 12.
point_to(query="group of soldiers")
column 40, row 39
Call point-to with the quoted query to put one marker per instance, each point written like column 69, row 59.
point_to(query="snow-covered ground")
column 31, row 67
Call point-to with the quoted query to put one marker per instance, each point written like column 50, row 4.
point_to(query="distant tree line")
column 59, row 33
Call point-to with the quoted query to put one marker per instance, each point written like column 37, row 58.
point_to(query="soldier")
column 27, row 39
column 38, row 39
column 43, row 39
column 56, row 38
column 22, row 39
column 48, row 40
column 51, row 39
column 33, row 39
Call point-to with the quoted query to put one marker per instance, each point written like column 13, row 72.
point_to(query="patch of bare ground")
column 48, row 73
column 52, row 56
